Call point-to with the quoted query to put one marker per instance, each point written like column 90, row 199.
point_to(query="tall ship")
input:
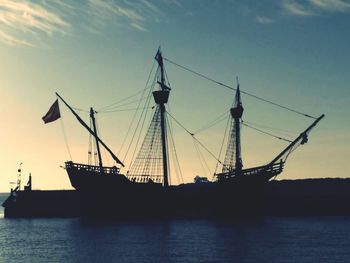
column 145, row 189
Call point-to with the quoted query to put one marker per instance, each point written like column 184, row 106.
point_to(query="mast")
column 236, row 114
column 91, row 131
column 161, row 98
column 233, row 158
column 92, row 116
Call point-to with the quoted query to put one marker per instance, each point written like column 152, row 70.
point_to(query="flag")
column 53, row 113
column 159, row 57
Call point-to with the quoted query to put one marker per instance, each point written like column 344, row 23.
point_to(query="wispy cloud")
column 151, row 6
column 314, row 7
column 26, row 22
column 29, row 22
column 13, row 41
column 21, row 21
column 296, row 8
column 131, row 14
column 332, row 5
column 264, row 20
column 138, row 27
column 174, row 2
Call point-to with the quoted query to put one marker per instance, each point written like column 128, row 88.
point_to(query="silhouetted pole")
column 236, row 114
column 164, row 150
column 302, row 137
column 92, row 116
column 161, row 98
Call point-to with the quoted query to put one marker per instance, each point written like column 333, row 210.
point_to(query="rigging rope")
column 134, row 109
column 267, row 133
column 244, row 92
column 115, row 104
column 192, row 134
column 149, row 160
column 65, row 139
column 141, row 117
column 167, row 78
column 177, row 166
column 291, row 133
column 201, row 158
column 112, row 109
column 222, row 145
column 81, row 110
column 212, row 123
column 106, row 156
column 135, row 114
column 143, row 113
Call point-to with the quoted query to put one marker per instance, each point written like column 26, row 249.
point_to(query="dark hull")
column 114, row 196
column 309, row 197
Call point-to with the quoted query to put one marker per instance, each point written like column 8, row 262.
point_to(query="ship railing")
column 92, row 168
column 270, row 169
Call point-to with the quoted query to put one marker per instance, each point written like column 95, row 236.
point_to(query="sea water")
column 269, row 239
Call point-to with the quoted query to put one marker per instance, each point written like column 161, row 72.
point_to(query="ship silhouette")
column 145, row 191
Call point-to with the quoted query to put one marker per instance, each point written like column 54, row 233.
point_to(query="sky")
column 96, row 53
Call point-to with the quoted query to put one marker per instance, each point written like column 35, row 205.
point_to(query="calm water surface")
column 271, row 239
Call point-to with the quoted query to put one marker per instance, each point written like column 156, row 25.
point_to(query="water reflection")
column 311, row 239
